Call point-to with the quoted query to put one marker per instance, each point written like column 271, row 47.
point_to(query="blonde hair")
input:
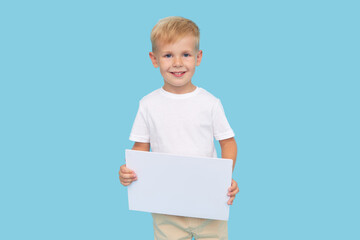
column 170, row 29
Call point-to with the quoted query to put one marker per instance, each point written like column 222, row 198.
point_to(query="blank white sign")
column 179, row 185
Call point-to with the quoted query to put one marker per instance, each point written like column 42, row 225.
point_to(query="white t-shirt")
column 182, row 124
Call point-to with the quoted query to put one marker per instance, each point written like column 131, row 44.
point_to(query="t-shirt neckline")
column 179, row 96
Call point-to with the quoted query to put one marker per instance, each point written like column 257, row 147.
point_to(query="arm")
column 229, row 150
column 139, row 146
column 126, row 175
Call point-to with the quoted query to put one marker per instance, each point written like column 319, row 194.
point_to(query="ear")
column 153, row 59
column 199, row 57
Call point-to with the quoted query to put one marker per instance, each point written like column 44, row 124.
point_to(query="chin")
column 177, row 84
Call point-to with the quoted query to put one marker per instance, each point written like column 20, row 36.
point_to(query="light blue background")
column 72, row 73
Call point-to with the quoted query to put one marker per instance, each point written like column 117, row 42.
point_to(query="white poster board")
column 179, row 185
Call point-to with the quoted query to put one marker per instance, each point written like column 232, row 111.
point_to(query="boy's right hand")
column 126, row 175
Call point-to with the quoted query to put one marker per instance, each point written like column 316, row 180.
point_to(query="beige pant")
column 167, row 227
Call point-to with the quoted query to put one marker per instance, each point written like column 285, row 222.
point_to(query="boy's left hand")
column 233, row 190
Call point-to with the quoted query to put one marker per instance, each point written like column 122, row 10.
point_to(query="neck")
column 179, row 90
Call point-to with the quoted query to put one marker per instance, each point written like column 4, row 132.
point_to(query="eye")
column 167, row 55
column 186, row 55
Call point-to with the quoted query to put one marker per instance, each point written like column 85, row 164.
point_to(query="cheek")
column 190, row 62
column 165, row 63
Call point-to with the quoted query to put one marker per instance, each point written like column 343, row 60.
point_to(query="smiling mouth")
column 178, row 74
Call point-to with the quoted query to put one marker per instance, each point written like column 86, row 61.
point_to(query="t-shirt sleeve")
column 140, row 130
column 221, row 126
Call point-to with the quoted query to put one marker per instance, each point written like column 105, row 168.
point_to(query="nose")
column 177, row 62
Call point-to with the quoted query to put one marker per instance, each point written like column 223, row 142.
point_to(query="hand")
column 233, row 190
column 126, row 175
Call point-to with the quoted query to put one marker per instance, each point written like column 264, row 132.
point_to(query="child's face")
column 177, row 62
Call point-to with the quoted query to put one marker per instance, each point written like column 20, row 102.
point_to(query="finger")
column 125, row 184
column 124, row 169
column 233, row 193
column 230, row 202
column 233, row 186
column 232, row 190
column 127, row 180
column 127, row 175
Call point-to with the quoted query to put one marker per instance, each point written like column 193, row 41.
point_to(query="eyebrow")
column 168, row 51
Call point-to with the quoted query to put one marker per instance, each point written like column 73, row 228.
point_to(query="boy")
column 182, row 119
